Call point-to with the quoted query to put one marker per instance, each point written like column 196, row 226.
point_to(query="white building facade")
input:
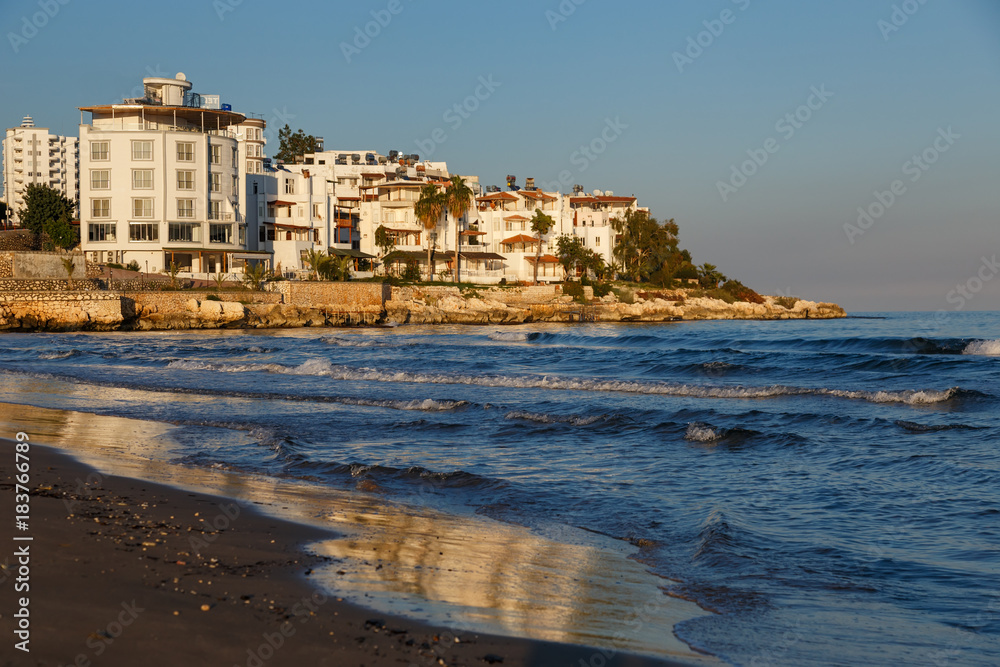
column 161, row 182
column 33, row 156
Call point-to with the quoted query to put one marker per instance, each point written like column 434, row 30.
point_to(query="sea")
column 810, row 492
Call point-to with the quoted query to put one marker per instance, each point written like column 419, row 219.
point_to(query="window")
column 220, row 233
column 315, row 210
column 236, row 185
column 270, row 210
column 143, row 231
column 243, row 236
column 216, row 183
column 185, row 152
column 142, row 150
column 142, row 179
column 101, row 231
column 100, row 180
column 100, row 208
column 215, row 210
column 236, row 158
column 142, row 208
column 289, row 186
column 263, row 235
column 184, row 232
column 250, row 167
column 100, row 151
column 216, row 153
column 185, row 180
column 597, row 241
column 185, row 208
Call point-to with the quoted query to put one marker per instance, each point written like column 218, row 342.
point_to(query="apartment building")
column 161, row 181
column 31, row 155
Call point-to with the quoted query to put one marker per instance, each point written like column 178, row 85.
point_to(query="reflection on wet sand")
column 468, row 572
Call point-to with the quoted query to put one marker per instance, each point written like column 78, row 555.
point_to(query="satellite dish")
column 609, row 193
column 181, row 76
column 598, row 193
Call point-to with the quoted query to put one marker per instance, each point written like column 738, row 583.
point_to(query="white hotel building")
column 161, row 181
column 33, row 156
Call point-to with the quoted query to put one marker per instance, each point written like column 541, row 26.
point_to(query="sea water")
column 827, row 492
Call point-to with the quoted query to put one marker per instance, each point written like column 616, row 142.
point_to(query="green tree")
column 385, row 241
column 710, row 276
column 458, row 199
column 428, row 210
column 295, row 145
column 70, row 267
column 572, row 253
column 48, row 211
column 255, row 275
column 315, row 260
column 541, row 224
column 3, row 213
column 644, row 246
column 336, row 268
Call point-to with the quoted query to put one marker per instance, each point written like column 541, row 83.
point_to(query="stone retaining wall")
column 53, row 311
column 57, row 286
column 344, row 297
column 169, row 303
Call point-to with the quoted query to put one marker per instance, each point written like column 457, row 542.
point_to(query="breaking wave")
column 541, row 418
column 986, row 348
column 323, row 368
column 63, row 354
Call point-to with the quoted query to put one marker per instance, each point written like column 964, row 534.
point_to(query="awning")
column 516, row 218
column 351, row 253
column 250, row 255
column 472, row 232
column 284, row 226
column 544, row 259
column 279, row 202
column 480, row 256
column 521, row 238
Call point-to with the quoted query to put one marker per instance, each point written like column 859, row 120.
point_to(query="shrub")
column 786, row 301
column 132, row 266
column 412, row 271
column 213, row 297
column 573, row 289
column 601, row 289
column 741, row 292
column 625, row 296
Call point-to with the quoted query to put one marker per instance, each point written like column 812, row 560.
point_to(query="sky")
column 838, row 151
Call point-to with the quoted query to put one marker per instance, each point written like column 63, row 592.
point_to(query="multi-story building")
column 161, row 181
column 33, row 156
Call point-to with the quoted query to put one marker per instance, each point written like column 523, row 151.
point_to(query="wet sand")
column 127, row 572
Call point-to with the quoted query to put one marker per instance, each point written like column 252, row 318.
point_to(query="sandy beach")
column 126, row 572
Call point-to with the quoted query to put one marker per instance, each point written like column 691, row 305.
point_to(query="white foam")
column 322, row 367
column 701, row 433
column 509, row 336
column 985, row 348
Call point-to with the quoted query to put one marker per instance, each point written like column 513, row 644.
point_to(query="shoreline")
column 372, row 305
column 112, row 546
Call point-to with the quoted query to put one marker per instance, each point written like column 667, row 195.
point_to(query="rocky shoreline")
column 289, row 308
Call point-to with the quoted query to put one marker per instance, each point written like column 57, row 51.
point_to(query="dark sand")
column 125, row 572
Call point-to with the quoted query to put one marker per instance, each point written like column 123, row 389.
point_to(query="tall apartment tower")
column 33, row 156
column 162, row 180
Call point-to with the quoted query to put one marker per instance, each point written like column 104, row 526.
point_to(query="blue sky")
column 559, row 72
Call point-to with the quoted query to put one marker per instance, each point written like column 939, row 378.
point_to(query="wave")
column 698, row 432
column 914, row 427
column 360, row 342
column 323, row 368
column 541, row 418
column 64, row 354
column 512, row 336
column 986, row 348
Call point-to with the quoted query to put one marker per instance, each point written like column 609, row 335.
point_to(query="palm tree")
column 710, row 275
column 428, row 210
column 314, row 258
column 541, row 224
column 459, row 200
